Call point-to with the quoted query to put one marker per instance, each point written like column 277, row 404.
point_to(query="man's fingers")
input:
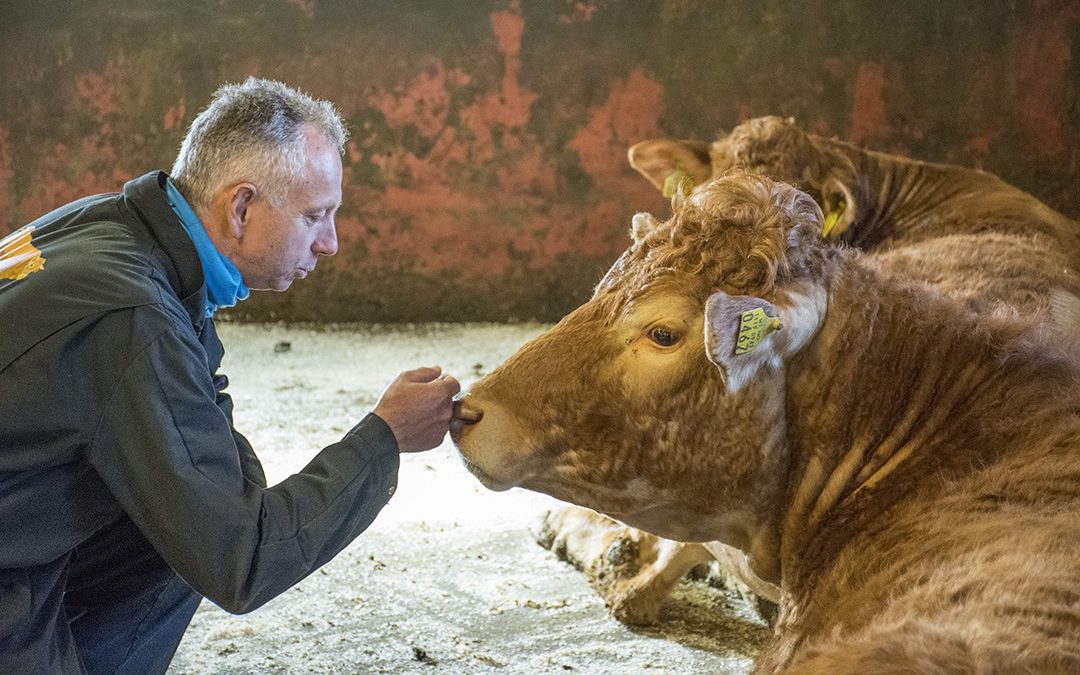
column 452, row 385
column 432, row 374
column 424, row 374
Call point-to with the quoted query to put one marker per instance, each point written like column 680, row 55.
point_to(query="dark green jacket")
column 111, row 404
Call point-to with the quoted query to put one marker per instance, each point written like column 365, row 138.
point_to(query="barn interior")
column 486, row 190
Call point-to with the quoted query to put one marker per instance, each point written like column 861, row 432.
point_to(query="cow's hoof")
column 632, row 605
column 544, row 532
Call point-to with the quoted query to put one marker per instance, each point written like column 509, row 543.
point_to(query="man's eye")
column 663, row 337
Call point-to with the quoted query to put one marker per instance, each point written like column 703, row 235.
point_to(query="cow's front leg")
column 632, row 570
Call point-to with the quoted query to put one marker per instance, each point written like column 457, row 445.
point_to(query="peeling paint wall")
column 486, row 177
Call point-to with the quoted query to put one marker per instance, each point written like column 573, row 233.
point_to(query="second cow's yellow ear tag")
column 832, row 218
column 754, row 325
column 678, row 181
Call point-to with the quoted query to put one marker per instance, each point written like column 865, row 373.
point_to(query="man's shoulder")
column 89, row 269
column 115, row 332
column 90, row 264
column 97, row 255
column 110, row 235
column 104, row 258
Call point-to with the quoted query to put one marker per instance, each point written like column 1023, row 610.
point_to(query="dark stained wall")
column 486, row 177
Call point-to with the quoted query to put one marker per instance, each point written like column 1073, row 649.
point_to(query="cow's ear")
column 747, row 337
column 839, row 208
column 672, row 165
column 641, row 225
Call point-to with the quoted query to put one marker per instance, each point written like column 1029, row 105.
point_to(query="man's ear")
column 670, row 165
column 237, row 207
column 746, row 336
column 839, row 208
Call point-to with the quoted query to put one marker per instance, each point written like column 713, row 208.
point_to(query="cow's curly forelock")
column 742, row 233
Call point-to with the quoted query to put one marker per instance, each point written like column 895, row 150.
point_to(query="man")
column 125, row 494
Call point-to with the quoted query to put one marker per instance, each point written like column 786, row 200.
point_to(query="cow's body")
column 906, row 472
column 945, row 534
column 965, row 232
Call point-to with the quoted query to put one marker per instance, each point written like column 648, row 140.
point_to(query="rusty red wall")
column 486, row 177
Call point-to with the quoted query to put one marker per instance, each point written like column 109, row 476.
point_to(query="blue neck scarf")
column 224, row 287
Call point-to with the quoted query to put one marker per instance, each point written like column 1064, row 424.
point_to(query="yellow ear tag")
column 754, row 325
column 832, row 218
column 678, row 181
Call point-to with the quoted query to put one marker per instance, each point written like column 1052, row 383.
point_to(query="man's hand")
column 417, row 406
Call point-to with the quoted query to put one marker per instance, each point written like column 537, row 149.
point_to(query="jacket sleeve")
column 168, row 453
column 250, row 465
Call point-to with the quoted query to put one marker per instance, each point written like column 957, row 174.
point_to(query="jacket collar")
column 146, row 196
column 224, row 284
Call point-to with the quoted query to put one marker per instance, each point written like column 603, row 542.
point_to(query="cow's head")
column 618, row 407
column 772, row 145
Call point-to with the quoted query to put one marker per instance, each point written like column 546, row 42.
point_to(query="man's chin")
column 277, row 285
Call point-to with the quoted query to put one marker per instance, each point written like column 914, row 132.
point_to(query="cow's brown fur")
column 908, row 473
column 968, row 233
column 927, row 221
column 890, row 200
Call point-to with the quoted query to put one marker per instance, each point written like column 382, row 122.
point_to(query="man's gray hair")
column 251, row 132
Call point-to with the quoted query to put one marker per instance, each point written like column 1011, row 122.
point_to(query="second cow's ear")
column 641, row 225
column 747, row 337
column 839, row 208
column 663, row 160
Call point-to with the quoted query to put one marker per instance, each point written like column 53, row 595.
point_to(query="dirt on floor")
column 449, row 578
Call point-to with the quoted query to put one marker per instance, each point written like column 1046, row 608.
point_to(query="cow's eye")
column 663, row 337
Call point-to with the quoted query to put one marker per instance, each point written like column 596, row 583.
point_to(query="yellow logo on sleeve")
column 18, row 256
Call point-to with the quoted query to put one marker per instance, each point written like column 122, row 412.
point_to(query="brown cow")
column 878, row 201
column 905, row 471
column 921, row 218
column 967, row 232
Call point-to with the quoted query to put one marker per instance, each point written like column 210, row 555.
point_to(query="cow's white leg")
column 737, row 565
column 632, row 570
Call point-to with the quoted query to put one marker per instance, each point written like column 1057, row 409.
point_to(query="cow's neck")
column 899, row 392
column 895, row 196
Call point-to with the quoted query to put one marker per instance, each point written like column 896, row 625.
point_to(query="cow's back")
column 903, row 201
column 993, row 273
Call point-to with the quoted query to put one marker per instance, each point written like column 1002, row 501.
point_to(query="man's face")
column 283, row 244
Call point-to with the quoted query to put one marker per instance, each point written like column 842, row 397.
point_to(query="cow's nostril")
column 465, row 413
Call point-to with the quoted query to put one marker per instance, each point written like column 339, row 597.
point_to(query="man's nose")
column 326, row 243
